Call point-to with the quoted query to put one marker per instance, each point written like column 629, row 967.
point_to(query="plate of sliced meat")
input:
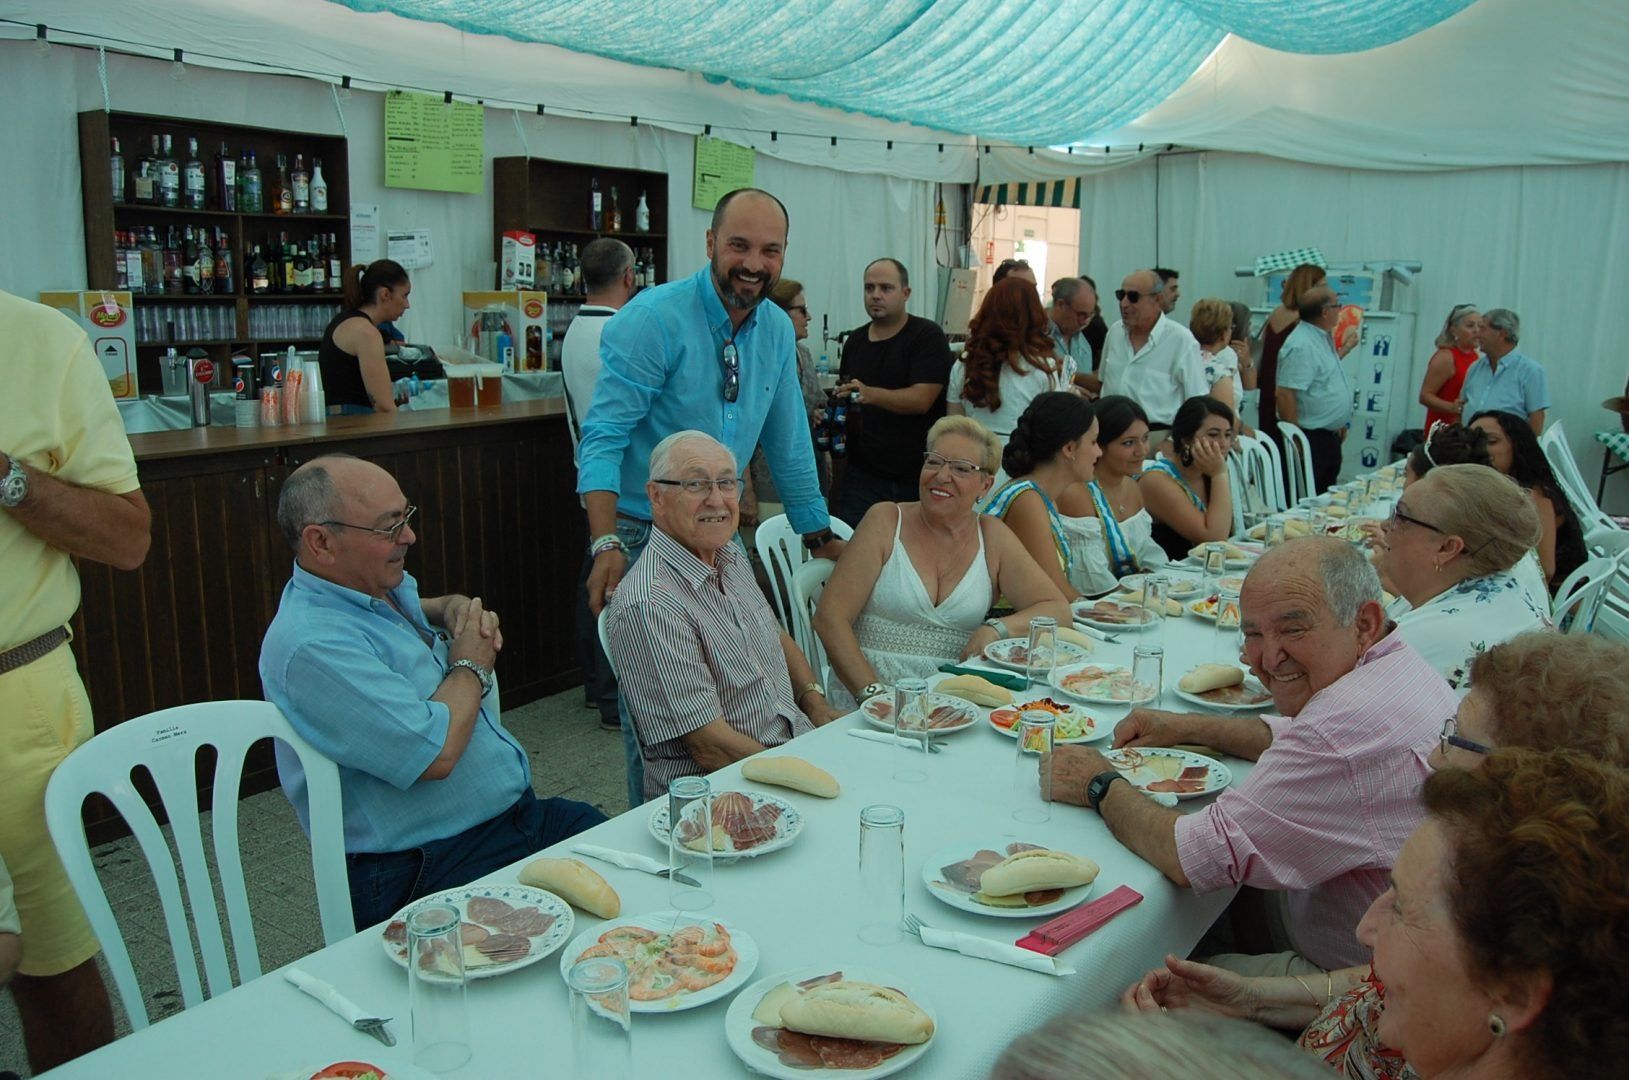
column 945, row 713
column 676, row 960
column 1167, row 769
column 953, row 876
column 851, row 1022
column 745, row 824
column 504, row 926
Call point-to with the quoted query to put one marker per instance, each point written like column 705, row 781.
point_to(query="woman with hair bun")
column 352, row 354
column 1053, row 447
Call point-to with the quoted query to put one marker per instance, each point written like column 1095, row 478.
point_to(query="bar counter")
column 498, row 518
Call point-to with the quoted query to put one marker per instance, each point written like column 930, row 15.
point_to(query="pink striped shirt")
column 1327, row 808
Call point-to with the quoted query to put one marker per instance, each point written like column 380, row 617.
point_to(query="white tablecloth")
column 798, row 903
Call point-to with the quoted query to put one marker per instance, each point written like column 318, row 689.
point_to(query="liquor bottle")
column 594, row 213
column 189, row 262
column 121, row 269
column 614, row 218
column 282, row 196
column 642, row 215
column 204, row 264
column 302, row 269
column 135, row 280
column 286, row 253
column 336, row 272
column 226, row 180
column 319, row 267
column 192, row 178
column 224, row 283
column 172, row 263
column 254, row 199
column 146, row 185
column 116, row 171
column 319, row 188
column 169, row 177
column 301, row 183
column 259, row 281
column 152, row 263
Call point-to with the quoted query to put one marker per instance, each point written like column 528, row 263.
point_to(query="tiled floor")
column 571, row 756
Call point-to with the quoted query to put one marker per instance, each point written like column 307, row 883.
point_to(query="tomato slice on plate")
column 349, row 1070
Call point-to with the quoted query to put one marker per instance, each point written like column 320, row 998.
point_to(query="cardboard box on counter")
column 508, row 328
column 109, row 321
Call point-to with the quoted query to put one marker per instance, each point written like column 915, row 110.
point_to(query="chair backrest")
column 807, row 583
column 1238, row 480
column 1579, row 598
column 1275, row 472
column 1298, row 453
column 781, row 551
column 1556, row 451
column 605, row 645
column 166, row 744
column 1262, row 473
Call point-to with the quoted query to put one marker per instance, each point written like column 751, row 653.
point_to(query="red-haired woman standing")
column 1009, row 360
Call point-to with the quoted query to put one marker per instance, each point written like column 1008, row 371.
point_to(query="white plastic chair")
column 166, row 743
column 605, row 644
column 1554, row 444
column 1238, row 480
column 781, row 550
column 1579, row 598
column 808, row 581
column 1299, row 449
column 1275, row 472
column 1263, row 472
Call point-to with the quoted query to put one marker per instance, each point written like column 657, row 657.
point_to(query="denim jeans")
column 382, row 883
column 635, row 535
column 859, row 490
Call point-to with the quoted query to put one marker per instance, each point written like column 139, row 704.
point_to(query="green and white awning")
column 1037, row 193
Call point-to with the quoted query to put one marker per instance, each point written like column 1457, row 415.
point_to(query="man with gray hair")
column 399, row 691
column 1340, row 761
column 1505, row 379
column 707, row 674
column 1149, row 358
column 1074, row 306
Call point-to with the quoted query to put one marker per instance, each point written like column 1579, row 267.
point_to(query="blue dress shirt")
column 354, row 676
column 1309, row 365
column 663, row 372
column 1517, row 386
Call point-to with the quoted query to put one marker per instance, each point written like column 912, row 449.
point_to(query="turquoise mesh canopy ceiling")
column 1041, row 72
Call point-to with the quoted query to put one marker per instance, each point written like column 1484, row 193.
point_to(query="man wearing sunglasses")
column 399, row 691
column 1313, row 392
column 1147, row 357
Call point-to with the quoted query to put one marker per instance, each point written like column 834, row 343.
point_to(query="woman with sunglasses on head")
column 1516, row 452
column 1189, row 497
column 915, row 583
column 1449, row 550
column 1009, row 359
column 1108, row 529
column 1457, row 349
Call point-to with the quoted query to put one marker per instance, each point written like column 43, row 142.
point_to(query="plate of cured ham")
column 745, row 824
column 1166, row 769
column 952, row 876
column 1103, row 684
column 1013, row 653
column 504, row 927
column 759, row 1034
column 675, row 960
column 945, row 713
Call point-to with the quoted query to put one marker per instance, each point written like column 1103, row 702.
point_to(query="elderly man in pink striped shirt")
column 1340, row 766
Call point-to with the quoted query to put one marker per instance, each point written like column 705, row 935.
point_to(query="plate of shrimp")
column 676, row 960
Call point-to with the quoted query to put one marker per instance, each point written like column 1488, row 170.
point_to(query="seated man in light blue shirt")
column 1313, row 392
column 399, row 692
column 1505, row 379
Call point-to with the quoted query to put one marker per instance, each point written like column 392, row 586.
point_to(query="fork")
column 913, row 925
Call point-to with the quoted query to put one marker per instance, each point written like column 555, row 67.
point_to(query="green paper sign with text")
column 721, row 167
column 432, row 145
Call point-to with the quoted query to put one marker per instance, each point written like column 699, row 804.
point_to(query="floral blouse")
column 1469, row 618
column 1346, row 1036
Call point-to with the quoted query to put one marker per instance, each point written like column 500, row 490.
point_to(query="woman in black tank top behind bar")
column 352, row 353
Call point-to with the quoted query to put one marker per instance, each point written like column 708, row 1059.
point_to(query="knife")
column 1000, row 678
column 631, row 861
column 341, row 1006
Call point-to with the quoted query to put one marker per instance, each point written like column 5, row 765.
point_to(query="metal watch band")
column 13, row 485
column 481, row 673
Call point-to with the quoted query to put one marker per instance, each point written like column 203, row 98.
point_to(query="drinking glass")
column 1308, row 507
column 1032, row 768
column 1147, row 674
column 882, row 874
column 1275, row 531
column 1041, row 658
column 911, row 728
column 1215, row 554
column 690, row 811
column 601, row 1029
column 435, row 989
column 1156, row 590
column 1226, row 645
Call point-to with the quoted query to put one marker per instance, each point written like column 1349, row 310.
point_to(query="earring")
column 1496, row 1024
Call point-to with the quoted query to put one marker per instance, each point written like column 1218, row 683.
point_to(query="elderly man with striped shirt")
column 1335, row 790
column 708, row 675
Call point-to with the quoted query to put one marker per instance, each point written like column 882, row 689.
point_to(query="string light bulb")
column 345, row 88
column 832, row 152
column 42, row 44
column 178, row 69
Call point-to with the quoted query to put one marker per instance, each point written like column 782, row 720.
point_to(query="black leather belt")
column 30, row 651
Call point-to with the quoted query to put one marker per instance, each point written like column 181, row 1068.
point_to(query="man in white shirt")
column 1149, row 358
column 608, row 275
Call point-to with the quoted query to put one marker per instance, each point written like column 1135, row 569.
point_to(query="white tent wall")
column 840, row 220
column 1544, row 241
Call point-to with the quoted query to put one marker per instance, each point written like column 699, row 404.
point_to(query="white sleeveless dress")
column 1089, row 571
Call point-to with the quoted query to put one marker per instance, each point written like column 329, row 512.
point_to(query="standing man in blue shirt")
column 703, row 353
column 1505, row 379
column 399, row 692
column 1313, row 392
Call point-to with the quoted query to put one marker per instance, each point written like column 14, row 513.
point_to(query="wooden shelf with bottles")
column 104, row 217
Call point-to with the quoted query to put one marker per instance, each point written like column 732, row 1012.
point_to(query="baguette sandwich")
column 1034, row 870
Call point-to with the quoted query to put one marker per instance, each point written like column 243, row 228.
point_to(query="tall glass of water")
column 1041, row 658
column 435, row 989
column 911, row 729
column 601, row 1022
column 690, row 843
column 882, row 874
column 1156, row 594
column 1032, row 767
column 1227, row 644
column 1147, row 675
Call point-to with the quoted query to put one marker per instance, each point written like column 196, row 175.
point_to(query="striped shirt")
column 690, row 643
column 1326, row 810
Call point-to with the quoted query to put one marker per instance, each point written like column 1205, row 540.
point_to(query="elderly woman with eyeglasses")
column 915, row 583
column 1450, row 548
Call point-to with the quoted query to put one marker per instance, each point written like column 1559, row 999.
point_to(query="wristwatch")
column 14, row 485
column 997, row 625
column 871, row 690
column 481, row 673
column 816, row 541
column 1099, row 787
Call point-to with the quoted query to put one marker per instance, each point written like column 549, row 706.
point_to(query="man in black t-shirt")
column 897, row 365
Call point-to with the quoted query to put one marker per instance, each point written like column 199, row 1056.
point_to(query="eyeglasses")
column 804, row 308
column 1332, row 304
column 728, row 486
column 1450, row 737
column 932, row 462
column 1130, row 296
column 732, row 373
column 1397, row 515
column 394, row 532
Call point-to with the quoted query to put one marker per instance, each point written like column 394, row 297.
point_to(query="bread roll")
column 857, row 1010
column 1210, row 677
column 1028, row 871
column 1134, row 598
column 574, row 883
column 977, row 689
column 791, row 772
column 1075, row 637
column 1337, row 511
